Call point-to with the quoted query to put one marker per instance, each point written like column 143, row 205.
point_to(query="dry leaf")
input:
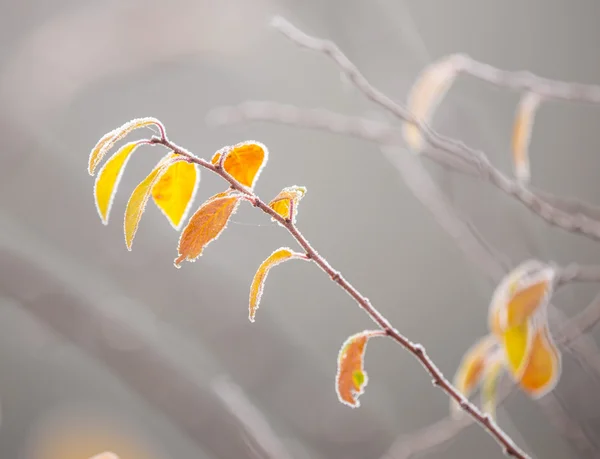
column 523, row 125
column 526, row 302
column 244, row 161
column 174, row 192
column 489, row 384
column 258, row 283
column 206, row 225
column 351, row 378
column 286, row 202
column 108, row 140
column 426, row 94
column 139, row 198
column 470, row 370
column 109, row 177
column 543, row 368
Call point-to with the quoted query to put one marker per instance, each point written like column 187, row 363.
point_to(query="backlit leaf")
column 108, row 140
column 244, row 161
column 471, row 368
column 206, row 225
column 351, row 378
column 526, row 301
column 425, row 95
column 525, row 275
column 543, row 368
column 109, row 177
column 256, row 289
column 523, row 124
column 174, row 192
column 489, row 384
column 517, row 343
column 139, row 198
column 286, row 201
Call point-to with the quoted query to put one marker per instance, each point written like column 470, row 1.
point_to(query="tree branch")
column 417, row 350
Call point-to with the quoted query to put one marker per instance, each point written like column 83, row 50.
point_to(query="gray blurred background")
column 105, row 349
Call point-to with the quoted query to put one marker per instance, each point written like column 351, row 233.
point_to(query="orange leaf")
column 351, row 378
column 286, row 200
column 109, row 177
column 517, row 343
column 513, row 300
column 258, row 283
column 521, row 138
column 470, row 370
column 543, row 369
column 139, row 198
column 206, row 225
column 426, row 94
column 108, row 140
column 525, row 302
column 175, row 191
column 244, row 161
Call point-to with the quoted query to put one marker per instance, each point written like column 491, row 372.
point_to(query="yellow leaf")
column 470, row 370
column 258, row 283
column 426, row 94
column 206, row 225
column 108, row 140
column 517, row 342
column 523, row 124
column 351, row 377
column 139, row 198
column 489, row 384
column 175, row 191
column 543, row 368
column 286, row 200
column 244, row 161
column 109, row 177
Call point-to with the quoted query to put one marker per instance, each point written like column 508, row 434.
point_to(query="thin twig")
column 573, row 222
column 417, row 350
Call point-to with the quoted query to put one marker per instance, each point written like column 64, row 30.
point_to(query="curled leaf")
column 109, row 139
column 471, row 368
column 523, row 125
column 109, row 177
column 174, row 192
column 286, row 202
column 206, row 225
column 244, row 161
column 517, row 343
column 426, row 94
column 139, row 198
column 489, row 384
column 543, row 368
column 258, row 283
column 526, row 301
column 351, row 377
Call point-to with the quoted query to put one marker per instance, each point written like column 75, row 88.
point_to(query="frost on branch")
column 286, row 202
column 523, row 125
column 109, row 177
column 351, row 378
column 108, row 140
column 258, row 283
column 174, row 192
column 139, row 198
column 206, row 225
column 244, row 161
column 427, row 93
